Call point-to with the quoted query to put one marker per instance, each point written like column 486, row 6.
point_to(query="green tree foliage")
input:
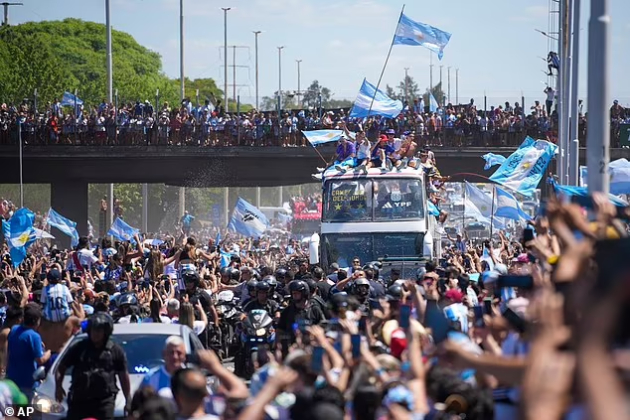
column 438, row 94
column 58, row 56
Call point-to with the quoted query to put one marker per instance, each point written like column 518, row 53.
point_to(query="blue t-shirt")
column 24, row 347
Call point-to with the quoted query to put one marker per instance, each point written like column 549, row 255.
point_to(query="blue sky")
column 494, row 43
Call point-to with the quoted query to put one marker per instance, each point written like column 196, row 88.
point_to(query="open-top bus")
column 375, row 215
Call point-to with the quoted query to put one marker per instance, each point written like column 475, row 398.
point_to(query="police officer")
column 299, row 311
column 96, row 362
column 262, row 300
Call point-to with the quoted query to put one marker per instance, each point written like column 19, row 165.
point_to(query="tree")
column 438, row 94
column 409, row 89
column 312, row 93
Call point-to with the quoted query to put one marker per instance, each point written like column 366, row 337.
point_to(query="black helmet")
column 369, row 266
column 394, row 292
column 190, row 276
column 377, row 264
column 263, row 286
column 224, row 271
column 361, row 281
column 421, row 273
column 338, row 301
column 271, row 280
column 280, row 273
column 312, row 284
column 234, row 274
column 128, row 299
column 102, row 321
column 255, row 274
column 299, row 286
column 251, row 285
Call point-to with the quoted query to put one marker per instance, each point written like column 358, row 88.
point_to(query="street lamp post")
column 182, row 190
column 110, row 84
column 225, row 64
column 280, row 77
column 256, row 33
column 298, row 90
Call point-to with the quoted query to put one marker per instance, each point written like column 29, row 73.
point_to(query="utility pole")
column 598, row 140
column 441, row 100
column 280, row 78
column 574, row 163
column 234, row 66
column 110, row 85
column 225, row 62
column 449, row 83
column 457, row 86
column 298, row 90
column 6, row 5
column 182, row 190
column 256, row 33
column 406, row 85
column 431, row 72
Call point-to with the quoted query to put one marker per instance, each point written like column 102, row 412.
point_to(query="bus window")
column 398, row 199
column 348, row 201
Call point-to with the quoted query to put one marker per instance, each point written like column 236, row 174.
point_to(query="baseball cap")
column 390, row 131
column 454, row 295
column 53, row 275
column 398, row 343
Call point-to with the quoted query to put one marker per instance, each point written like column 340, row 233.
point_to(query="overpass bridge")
column 69, row 169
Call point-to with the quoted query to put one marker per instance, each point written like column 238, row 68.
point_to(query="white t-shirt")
column 550, row 94
column 163, row 318
column 363, row 150
column 85, row 257
column 198, row 326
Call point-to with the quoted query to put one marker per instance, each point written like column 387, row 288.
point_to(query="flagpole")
column 386, row 61
column 494, row 190
column 464, row 213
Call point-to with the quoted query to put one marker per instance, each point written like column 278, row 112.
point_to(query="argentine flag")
column 483, row 202
column 66, row 226
column 524, row 169
column 18, row 232
column 410, row 32
column 122, row 231
column 248, row 220
column 317, row 137
column 619, row 171
column 432, row 209
column 383, row 105
column 69, row 99
column 571, row 191
column 508, row 207
column 492, row 159
column 433, row 105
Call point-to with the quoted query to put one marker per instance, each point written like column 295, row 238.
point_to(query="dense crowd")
column 209, row 125
column 502, row 329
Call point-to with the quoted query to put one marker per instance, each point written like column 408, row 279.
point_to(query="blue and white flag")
column 18, row 232
column 524, row 169
column 619, row 171
column 317, row 137
column 571, row 191
column 483, row 202
column 226, row 258
column 248, row 220
column 508, row 206
column 67, row 226
column 68, row 99
column 122, row 231
column 410, row 32
column 492, row 159
column 383, row 105
column 433, row 105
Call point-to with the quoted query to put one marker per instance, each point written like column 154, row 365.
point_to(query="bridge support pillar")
column 70, row 199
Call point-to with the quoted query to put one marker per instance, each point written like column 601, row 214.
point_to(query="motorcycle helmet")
column 338, row 302
column 190, row 277
column 255, row 274
column 251, row 286
column 312, row 284
column 263, row 286
column 361, row 286
column 224, row 271
column 234, row 274
column 421, row 273
column 102, row 321
column 280, row 273
column 394, row 292
column 299, row 286
column 369, row 266
column 272, row 281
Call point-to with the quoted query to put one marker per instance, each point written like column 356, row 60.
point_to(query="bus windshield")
column 342, row 248
column 373, row 200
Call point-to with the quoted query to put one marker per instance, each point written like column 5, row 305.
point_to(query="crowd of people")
column 505, row 329
column 209, row 125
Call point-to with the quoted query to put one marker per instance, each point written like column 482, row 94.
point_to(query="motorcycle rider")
column 128, row 309
column 196, row 294
column 263, row 301
column 314, row 295
column 361, row 291
column 300, row 311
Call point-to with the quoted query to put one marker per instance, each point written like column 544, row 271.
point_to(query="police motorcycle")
column 256, row 332
column 228, row 309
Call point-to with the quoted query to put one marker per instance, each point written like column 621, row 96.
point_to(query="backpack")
column 94, row 382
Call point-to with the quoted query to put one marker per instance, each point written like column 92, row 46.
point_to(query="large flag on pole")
column 317, row 137
column 69, row 99
column 122, row 231
column 18, row 232
column 524, row 169
column 248, row 220
column 67, row 226
column 383, row 105
column 410, row 32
